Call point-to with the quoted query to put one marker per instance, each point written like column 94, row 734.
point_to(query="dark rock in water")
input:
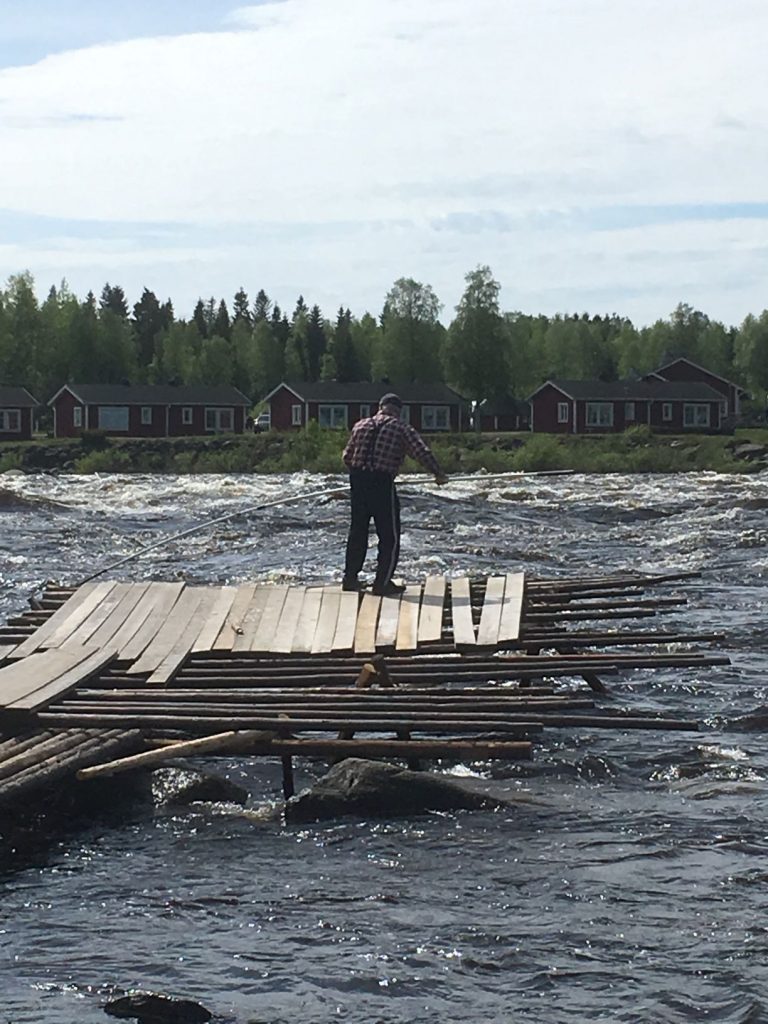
column 154, row 1008
column 177, row 787
column 381, row 790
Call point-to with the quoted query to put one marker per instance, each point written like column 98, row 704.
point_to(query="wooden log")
column 335, row 749
column 233, row 740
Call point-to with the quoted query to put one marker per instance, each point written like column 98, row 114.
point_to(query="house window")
column 696, row 415
column 10, row 421
column 332, row 415
column 218, row 420
column 405, row 414
column 77, row 416
column 295, row 415
column 365, row 411
column 186, row 416
column 629, row 411
column 666, row 411
column 436, row 417
column 146, row 415
column 599, row 414
column 113, row 417
column 562, row 412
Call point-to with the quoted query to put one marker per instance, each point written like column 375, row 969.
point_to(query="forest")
column 484, row 352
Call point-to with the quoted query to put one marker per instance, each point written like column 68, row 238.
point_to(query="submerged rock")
column 377, row 789
column 154, row 1008
column 178, row 787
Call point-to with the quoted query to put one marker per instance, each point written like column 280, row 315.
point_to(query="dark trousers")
column 373, row 496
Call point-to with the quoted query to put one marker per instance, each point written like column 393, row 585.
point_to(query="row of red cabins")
column 680, row 396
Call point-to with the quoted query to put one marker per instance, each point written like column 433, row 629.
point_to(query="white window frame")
column 146, row 415
column 599, row 414
column 186, row 415
column 405, row 414
column 215, row 417
column 332, row 416
column 436, row 417
column 10, row 421
column 696, row 414
column 296, row 415
column 666, row 412
column 365, row 410
column 114, row 417
column 562, row 412
column 77, row 416
column 629, row 411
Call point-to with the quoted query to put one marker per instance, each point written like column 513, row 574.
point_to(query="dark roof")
column 16, row 398
column 635, row 390
column 505, row 407
column 155, row 394
column 364, row 391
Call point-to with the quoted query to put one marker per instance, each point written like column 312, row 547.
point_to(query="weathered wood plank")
column 251, row 620
column 99, row 615
column 56, row 688
column 490, row 617
column 326, row 622
column 21, row 678
column 67, row 618
column 119, row 615
column 142, row 624
column 307, row 624
column 344, row 637
column 6, row 650
column 389, row 616
column 168, row 633
column 182, row 647
column 219, row 612
column 270, row 617
column 367, row 618
column 232, row 623
column 512, row 610
column 408, row 623
column 431, row 614
column 461, row 613
column 282, row 642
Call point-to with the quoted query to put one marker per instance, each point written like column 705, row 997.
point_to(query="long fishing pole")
column 302, row 496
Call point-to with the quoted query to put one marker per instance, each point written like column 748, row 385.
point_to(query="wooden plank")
column 490, row 617
column 408, row 623
column 307, row 624
column 252, row 619
column 389, row 615
column 109, row 628
column 6, row 650
column 326, row 620
column 282, row 642
column 512, row 610
column 344, row 637
column 139, row 628
column 431, row 614
column 67, row 618
column 270, row 617
column 365, row 633
column 232, row 623
column 180, row 650
column 96, row 660
column 217, row 618
column 25, row 677
column 168, row 632
column 103, row 610
column 461, row 613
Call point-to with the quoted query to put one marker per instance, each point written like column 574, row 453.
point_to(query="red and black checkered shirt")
column 381, row 442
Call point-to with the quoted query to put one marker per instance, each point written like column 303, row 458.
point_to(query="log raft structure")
column 111, row 675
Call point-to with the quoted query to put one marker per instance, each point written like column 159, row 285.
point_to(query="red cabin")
column 17, row 409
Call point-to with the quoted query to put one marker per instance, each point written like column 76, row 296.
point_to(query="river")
column 628, row 883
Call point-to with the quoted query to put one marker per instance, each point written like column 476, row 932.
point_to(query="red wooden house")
column 148, row 410
column 429, row 408
column 684, row 369
column 605, row 407
column 505, row 414
column 17, row 409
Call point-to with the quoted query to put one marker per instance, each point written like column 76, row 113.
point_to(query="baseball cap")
column 391, row 399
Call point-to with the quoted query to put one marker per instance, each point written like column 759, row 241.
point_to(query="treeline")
column 254, row 344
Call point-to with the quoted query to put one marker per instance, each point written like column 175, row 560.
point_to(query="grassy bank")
column 319, row 451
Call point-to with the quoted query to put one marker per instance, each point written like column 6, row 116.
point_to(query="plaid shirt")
column 381, row 443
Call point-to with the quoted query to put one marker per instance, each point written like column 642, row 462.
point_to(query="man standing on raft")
column 373, row 456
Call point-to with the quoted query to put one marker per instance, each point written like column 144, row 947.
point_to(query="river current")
column 628, row 882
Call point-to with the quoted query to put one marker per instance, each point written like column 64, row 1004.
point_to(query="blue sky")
column 601, row 155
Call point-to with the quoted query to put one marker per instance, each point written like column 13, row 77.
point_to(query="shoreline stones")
column 155, row 1008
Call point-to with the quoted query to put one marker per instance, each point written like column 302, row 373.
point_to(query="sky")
column 599, row 155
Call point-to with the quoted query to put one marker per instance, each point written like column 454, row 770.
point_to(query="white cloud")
column 392, row 114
